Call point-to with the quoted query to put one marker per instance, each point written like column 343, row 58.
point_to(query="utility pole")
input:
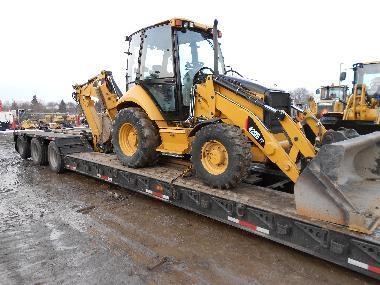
column 340, row 71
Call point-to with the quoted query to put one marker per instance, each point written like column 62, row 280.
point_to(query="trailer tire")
column 135, row 138
column 55, row 158
column 38, row 151
column 23, row 146
column 221, row 155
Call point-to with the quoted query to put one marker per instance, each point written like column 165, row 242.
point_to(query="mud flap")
column 341, row 184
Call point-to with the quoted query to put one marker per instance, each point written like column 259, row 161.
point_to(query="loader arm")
column 104, row 88
column 311, row 120
column 238, row 108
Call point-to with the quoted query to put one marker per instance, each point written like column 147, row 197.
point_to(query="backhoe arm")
column 104, row 88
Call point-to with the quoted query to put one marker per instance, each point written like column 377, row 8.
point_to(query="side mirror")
column 342, row 76
column 317, row 91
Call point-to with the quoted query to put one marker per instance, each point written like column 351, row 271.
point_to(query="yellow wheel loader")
column 181, row 102
column 332, row 100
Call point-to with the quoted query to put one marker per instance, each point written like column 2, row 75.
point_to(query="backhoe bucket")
column 341, row 184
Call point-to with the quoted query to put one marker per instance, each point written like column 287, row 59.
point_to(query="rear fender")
column 138, row 97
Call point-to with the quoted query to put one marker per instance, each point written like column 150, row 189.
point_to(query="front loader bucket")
column 342, row 184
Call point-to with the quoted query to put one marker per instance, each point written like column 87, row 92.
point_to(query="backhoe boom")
column 104, row 89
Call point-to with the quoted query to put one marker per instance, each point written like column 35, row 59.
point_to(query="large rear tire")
column 135, row 138
column 221, row 155
column 39, row 152
column 55, row 158
column 23, row 147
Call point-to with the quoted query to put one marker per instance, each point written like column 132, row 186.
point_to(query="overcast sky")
column 46, row 46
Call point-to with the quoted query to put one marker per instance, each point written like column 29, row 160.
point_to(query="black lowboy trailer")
column 265, row 212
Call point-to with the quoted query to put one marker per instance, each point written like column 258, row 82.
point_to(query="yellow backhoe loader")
column 181, row 102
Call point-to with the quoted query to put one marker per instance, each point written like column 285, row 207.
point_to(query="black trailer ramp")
column 267, row 213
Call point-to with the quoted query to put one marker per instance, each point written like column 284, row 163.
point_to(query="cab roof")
column 333, row 86
column 178, row 22
column 367, row 63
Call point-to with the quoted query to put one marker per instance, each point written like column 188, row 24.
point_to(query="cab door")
column 156, row 70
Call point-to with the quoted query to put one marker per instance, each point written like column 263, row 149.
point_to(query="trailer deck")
column 265, row 212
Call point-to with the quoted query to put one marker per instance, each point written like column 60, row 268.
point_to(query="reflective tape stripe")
column 363, row 265
column 104, row 177
column 157, row 195
column 233, row 219
column 358, row 263
column 375, row 269
column 248, row 225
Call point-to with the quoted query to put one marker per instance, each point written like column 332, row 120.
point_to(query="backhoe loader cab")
column 163, row 60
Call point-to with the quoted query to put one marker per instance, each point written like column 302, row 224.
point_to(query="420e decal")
column 255, row 131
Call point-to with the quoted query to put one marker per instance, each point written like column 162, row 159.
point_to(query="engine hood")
column 249, row 84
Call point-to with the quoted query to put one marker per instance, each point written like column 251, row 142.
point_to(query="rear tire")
column 55, row 158
column 38, row 151
column 135, row 138
column 23, row 147
column 221, row 155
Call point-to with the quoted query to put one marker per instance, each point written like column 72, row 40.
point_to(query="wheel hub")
column 128, row 139
column 214, row 157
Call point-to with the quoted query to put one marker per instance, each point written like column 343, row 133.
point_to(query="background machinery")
column 332, row 100
column 180, row 102
column 362, row 108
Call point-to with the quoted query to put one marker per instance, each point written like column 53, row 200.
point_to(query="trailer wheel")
column 38, row 151
column 55, row 158
column 135, row 138
column 23, row 146
column 221, row 155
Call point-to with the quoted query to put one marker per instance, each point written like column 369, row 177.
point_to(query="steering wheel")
column 193, row 76
column 193, row 65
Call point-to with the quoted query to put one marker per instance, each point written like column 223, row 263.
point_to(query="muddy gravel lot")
column 72, row 229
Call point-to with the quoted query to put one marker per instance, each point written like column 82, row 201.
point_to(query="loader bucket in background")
column 341, row 184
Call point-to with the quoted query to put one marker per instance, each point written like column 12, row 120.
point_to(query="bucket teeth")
column 342, row 184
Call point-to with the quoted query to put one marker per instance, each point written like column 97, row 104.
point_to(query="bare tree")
column 14, row 105
column 71, row 108
column 300, row 96
column 51, row 107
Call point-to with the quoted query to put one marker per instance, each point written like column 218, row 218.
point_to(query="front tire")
column 135, row 138
column 221, row 155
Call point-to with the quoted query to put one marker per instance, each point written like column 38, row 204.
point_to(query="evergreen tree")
column 62, row 107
